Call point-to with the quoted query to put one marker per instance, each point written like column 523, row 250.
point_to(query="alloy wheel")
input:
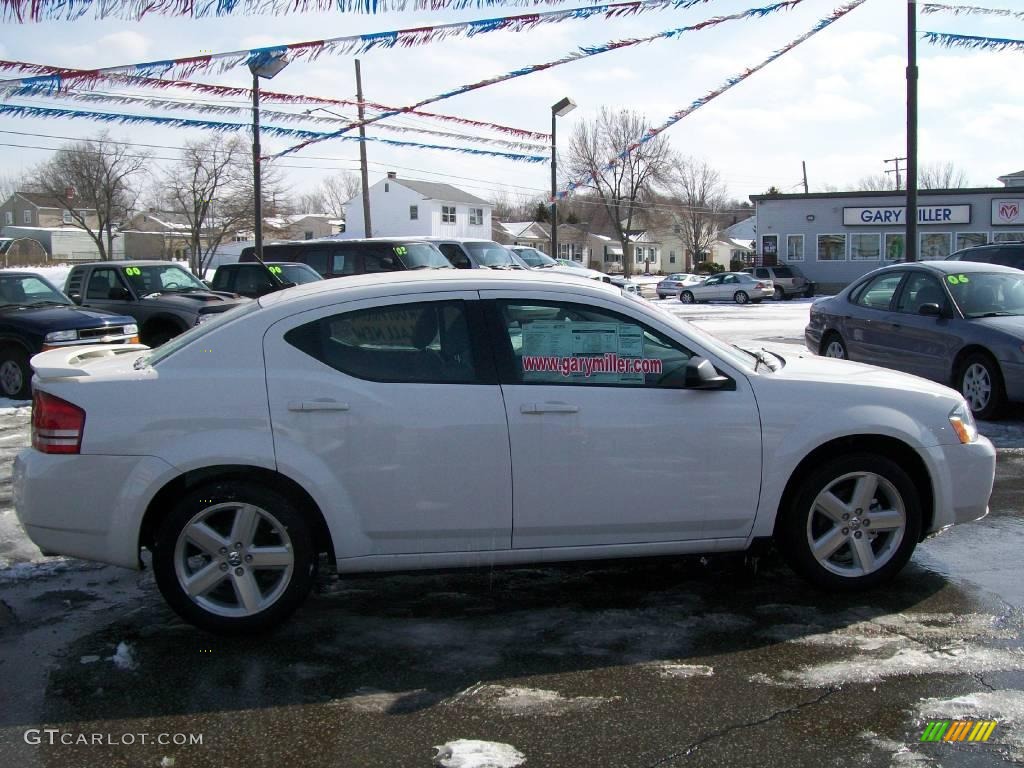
column 976, row 387
column 11, row 378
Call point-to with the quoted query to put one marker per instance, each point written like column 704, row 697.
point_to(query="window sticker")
column 400, row 250
column 132, row 271
column 958, row 279
column 275, row 269
column 595, row 352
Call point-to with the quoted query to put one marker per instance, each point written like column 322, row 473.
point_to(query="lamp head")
column 268, row 62
column 563, row 107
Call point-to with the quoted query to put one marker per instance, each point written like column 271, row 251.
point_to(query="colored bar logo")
column 958, row 730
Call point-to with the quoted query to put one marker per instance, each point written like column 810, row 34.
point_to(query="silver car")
column 674, row 283
column 959, row 323
column 728, row 286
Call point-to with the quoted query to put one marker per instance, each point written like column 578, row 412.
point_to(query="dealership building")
column 835, row 237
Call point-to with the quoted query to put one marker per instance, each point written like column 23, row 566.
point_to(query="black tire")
column 15, row 373
column 840, row 346
column 780, row 295
column 809, row 292
column 978, row 371
column 159, row 334
column 741, row 297
column 279, row 526
column 686, row 297
column 843, row 570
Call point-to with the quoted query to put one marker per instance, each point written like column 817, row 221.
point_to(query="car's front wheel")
column 234, row 557
column 740, row 297
column 15, row 373
column 834, row 346
column 686, row 297
column 981, row 384
column 852, row 524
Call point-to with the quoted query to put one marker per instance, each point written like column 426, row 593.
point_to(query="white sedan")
column 476, row 418
column 728, row 286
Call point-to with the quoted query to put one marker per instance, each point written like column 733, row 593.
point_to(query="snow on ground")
column 469, row 753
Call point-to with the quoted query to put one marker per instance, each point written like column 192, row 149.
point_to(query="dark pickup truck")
column 164, row 298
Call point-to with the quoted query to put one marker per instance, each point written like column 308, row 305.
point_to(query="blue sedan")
column 955, row 322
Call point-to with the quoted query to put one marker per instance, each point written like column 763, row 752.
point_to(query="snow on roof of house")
column 434, row 190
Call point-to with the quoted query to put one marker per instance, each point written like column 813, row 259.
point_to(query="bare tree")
column 95, row 174
column 15, row 182
column 700, row 200
column 877, row 182
column 595, row 152
column 210, row 187
column 941, row 176
column 331, row 194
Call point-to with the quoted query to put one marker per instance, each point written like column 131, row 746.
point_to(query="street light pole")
column 560, row 109
column 266, row 64
column 911, row 244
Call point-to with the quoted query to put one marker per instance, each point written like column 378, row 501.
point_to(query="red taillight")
column 57, row 425
column 760, row 285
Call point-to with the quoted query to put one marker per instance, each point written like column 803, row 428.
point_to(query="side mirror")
column 75, row 297
column 931, row 310
column 698, row 373
column 119, row 293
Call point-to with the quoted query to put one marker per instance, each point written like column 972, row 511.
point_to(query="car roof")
column 438, row 239
column 959, row 267
column 133, row 263
column 268, row 263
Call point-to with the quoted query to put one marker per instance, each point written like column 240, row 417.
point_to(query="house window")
column 865, row 247
column 387, row 187
column 831, row 247
column 671, row 257
column 8, row 217
column 563, row 251
column 447, row 214
column 794, row 248
column 414, row 212
column 308, row 235
column 476, row 216
column 26, row 216
column 66, row 217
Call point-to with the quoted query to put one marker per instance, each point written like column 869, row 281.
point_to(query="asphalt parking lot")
column 696, row 661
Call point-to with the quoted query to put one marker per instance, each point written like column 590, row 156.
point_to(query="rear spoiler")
column 70, row 362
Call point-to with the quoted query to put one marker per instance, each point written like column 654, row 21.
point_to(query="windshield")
column 535, row 258
column 299, row 274
column 421, row 256
column 26, row 290
column 987, row 294
column 161, row 278
column 196, row 332
column 490, row 254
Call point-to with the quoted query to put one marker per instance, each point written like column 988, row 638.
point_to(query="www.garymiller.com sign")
column 897, row 215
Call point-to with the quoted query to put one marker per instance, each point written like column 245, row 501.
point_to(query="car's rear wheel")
column 834, row 346
column 15, row 373
column 981, row 384
column 852, row 524
column 780, row 295
column 740, row 297
column 234, row 558
column 686, row 297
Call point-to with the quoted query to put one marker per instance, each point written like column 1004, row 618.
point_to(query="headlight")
column 962, row 421
column 56, row 336
column 131, row 330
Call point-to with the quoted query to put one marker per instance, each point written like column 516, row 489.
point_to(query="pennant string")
column 693, row 107
column 578, row 54
column 970, row 10
column 950, row 40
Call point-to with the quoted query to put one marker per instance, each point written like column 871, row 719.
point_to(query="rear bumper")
column 962, row 478
column 86, row 506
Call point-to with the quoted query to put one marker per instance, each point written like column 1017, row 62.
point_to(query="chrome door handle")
column 549, row 408
column 317, row 405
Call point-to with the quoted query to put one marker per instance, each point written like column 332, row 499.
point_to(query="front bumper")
column 86, row 506
column 962, row 479
column 1013, row 378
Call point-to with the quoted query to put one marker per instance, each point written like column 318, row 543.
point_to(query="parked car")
column 473, row 253
column 625, row 284
column 162, row 297
column 674, row 283
column 328, row 418
column 35, row 316
column 1006, row 254
column 728, row 286
column 788, row 280
column 959, row 323
column 535, row 259
column 343, row 258
column 254, row 279
column 596, row 274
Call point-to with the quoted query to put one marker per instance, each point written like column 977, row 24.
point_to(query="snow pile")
column 56, row 274
column 671, row 670
column 469, row 753
column 525, row 701
column 123, row 658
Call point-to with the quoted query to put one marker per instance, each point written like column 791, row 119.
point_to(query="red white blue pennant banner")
column 973, row 42
column 577, row 55
column 311, row 50
column 15, row 110
column 970, row 10
column 226, row 91
column 586, row 180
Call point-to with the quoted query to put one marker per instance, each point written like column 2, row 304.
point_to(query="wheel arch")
column 15, row 341
column 164, row 319
column 164, row 500
column 890, row 447
column 963, row 354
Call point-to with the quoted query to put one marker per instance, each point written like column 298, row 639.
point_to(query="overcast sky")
column 837, row 101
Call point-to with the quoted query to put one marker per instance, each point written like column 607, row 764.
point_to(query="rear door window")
column 878, row 292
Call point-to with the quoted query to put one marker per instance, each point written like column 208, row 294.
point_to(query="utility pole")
column 911, row 130
column 806, row 188
column 364, row 173
column 896, row 160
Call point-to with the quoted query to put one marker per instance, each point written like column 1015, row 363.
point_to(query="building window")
column 564, row 252
column 671, row 257
column 387, row 187
column 476, row 216
column 26, row 216
column 447, row 214
column 970, row 239
column 308, row 235
column 934, row 245
column 1007, row 237
column 8, row 217
column 770, row 248
column 66, row 217
column 794, row 248
column 895, row 246
column 831, row 247
column 414, row 212
column 865, row 247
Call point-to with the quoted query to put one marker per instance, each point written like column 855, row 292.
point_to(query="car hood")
column 828, row 370
column 62, row 318
column 198, row 301
column 1013, row 325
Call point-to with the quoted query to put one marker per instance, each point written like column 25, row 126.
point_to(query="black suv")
column 35, row 317
column 164, row 298
column 254, row 279
column 1006, row 254
column 341, row 258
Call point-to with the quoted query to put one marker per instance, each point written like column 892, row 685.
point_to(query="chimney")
column 392, row 174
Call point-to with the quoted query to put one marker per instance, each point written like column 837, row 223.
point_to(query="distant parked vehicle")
column 344, row 258
column 535, row 259
column 788, row 280
column 959, row 323
column 728, row 286
column 473, row 253
column 254, row 279
column 674, row 283
column 1005, row 254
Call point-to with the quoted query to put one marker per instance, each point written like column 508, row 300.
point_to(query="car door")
column 608, row 455
column 924, row 345
column 709, row 289
column 867, row 320
column 390, row 409
column 102, row 281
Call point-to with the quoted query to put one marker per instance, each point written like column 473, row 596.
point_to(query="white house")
column 400, row 207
